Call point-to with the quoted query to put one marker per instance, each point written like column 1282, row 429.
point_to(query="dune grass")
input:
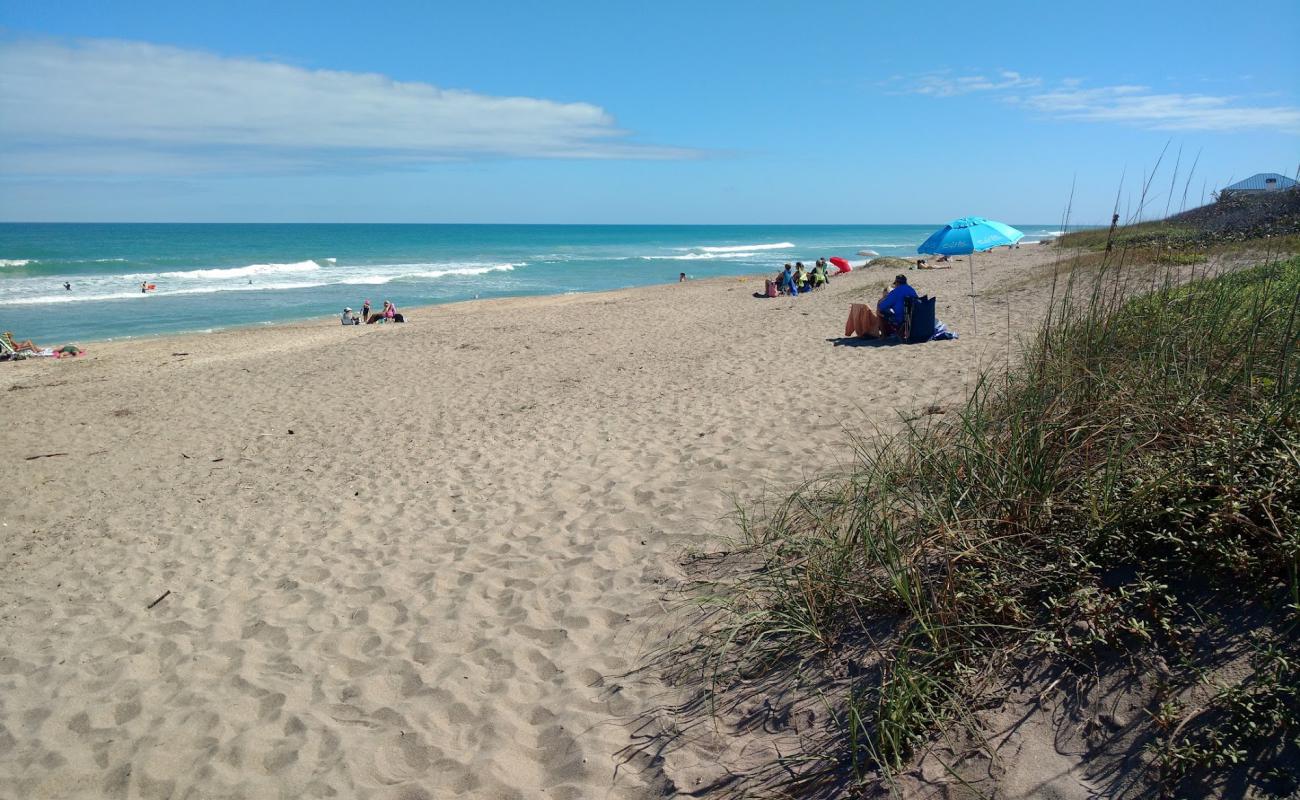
column 1140, row 465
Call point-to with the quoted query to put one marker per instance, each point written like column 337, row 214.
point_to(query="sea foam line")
column 739, row 248
column 228, row 273
column 68, row 297
column 701, row 256
column 313, row 279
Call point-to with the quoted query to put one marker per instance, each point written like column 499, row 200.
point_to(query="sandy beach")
column 418, row 560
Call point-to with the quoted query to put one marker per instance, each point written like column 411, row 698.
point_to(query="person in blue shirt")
column 893, row 305
column 888, row 316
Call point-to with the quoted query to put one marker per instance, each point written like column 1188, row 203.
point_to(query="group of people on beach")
column 798, row 280
column 388, row 314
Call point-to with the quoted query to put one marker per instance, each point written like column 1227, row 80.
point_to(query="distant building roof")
column 1258, row 182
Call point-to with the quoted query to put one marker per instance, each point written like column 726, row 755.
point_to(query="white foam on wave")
column 15, row 262
column 466, row 271
column 136, row 294
column 231, row 273
column 701, row 256
column 420, row 271
column 310, row 275
column 746, row 248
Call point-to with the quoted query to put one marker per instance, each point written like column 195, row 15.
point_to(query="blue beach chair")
column 918, row 320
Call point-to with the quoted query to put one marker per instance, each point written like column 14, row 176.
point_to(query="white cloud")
column 1127, row 104
column 944, row 84
column 75, row 106
column 1137, row 105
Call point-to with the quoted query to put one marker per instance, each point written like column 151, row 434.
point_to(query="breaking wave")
column 271, row 277
column 702, row 256
column 745, row 248
column 250, row 271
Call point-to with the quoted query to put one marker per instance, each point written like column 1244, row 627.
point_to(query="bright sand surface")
column 414, row 560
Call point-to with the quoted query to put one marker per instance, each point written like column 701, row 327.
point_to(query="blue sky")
column 671, row 112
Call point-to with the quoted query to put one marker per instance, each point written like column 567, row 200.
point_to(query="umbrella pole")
column 974, row 323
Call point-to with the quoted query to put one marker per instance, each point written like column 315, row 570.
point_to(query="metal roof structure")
column 1260, row 183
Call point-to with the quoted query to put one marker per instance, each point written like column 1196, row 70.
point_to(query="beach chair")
column 918, row 320
column 11, row 345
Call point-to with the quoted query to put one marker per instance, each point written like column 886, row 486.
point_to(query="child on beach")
column 819, row 275
column 785, row 280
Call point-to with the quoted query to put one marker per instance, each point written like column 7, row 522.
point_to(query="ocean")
column 213, row 276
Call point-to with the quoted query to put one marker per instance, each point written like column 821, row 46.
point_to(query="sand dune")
column 410, row 561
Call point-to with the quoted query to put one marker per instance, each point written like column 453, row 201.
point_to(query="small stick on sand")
column 162, row 597
column 44, row 455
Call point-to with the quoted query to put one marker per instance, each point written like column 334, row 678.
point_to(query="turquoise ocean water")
column 217, row 276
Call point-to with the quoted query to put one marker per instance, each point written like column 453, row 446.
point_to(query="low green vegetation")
column 1127, row 496
column 1262, row 221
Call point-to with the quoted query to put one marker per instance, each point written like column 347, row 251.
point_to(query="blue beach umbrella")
column 967, row 236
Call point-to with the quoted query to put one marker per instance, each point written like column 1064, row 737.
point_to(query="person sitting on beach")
column 365, row 310
column 800, row 277
column 819, row 275
column 390, row 311
column 786, row 280
column 893, row 304
column 888, row 315
column 681, row 278
column 18, row 346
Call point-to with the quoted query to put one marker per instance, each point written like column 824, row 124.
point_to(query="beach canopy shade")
column 841, row 265
column 969, row 235
column 868, row 253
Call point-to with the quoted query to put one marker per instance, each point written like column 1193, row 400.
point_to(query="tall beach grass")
column 1139, row 465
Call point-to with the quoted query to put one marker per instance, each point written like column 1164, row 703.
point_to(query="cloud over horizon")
column 112, row 107
column 1139, row 106
column 1169, row 111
